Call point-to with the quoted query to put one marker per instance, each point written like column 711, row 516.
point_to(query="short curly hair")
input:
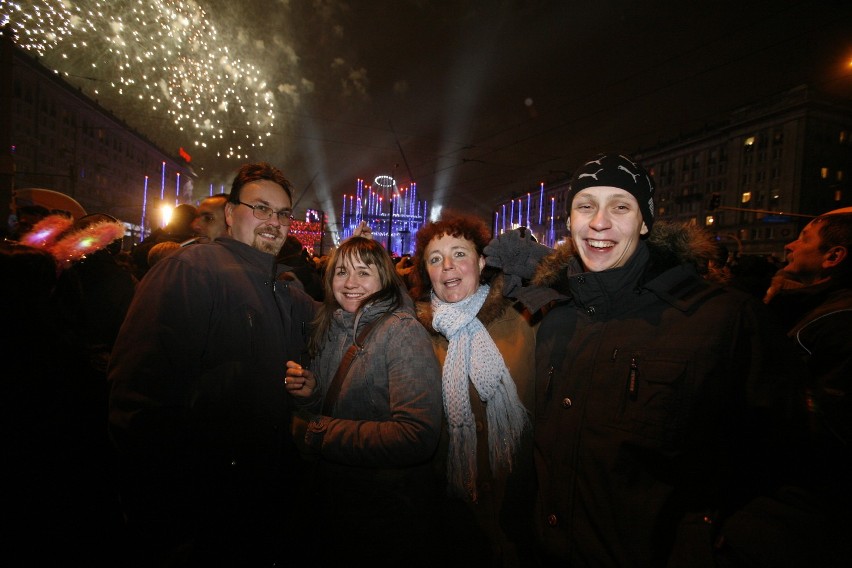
column 453, row 224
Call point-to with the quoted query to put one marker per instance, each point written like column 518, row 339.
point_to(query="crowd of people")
column 219, row 397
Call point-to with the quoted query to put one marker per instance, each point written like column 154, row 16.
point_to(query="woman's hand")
column 298, row 381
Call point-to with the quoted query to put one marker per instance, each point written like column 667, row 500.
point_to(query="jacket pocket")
column 656, row 396
column 251, row 324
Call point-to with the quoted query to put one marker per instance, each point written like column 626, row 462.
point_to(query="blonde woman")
column 374, row 425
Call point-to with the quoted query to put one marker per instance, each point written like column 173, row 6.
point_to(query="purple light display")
column 387, row 208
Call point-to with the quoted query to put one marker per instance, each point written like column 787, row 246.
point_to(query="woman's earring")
column 568, row 224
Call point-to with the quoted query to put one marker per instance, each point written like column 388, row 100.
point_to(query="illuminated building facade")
column 312, row 232
column 760, row 173
column 541, row 211
column 393, row 213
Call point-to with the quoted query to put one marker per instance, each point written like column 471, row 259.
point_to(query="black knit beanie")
column 615, row 170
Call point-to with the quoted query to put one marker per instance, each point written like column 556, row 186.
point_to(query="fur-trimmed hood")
column 494, row 307
column 670, row 244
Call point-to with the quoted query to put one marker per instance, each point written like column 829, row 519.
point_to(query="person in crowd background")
column 669, row 423
column 93, row 292
column 719, row 265
column 198, row 411
column 404, row 267
column 752, row 273
column 812, row 297
column 25, row 218
column 91, row 298
column 320, row 262
column 34, row 389
column 178, row 230
column 486, row 350
column 301, row 268
column 75, row 496
column 374, row 425
column 160, row 251
column 209, row 219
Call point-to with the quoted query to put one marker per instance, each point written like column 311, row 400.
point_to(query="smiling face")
column 605, row 227
column 353, row 281
column 454, row 267
column 268, row 235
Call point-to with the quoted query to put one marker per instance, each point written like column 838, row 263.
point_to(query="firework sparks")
column 164, row 55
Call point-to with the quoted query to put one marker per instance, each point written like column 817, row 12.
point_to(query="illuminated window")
column 746, row 197
column 843, row 137
column 823, row 173
column 839, row 175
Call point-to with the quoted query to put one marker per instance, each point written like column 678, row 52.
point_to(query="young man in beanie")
column 662, row 400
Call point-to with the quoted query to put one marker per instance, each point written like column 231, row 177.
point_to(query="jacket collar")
column 819, row 299
column 262, row 260
column 352, row 322
column 669, row 267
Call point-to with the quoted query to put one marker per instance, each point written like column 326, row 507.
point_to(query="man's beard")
column 270, row 247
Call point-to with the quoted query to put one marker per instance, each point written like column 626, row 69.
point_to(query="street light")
column 166, row 213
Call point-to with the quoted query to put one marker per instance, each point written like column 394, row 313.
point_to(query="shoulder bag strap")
column 346, row 362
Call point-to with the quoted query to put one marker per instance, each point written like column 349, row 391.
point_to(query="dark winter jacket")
column 198, row 409
column 819, row 320
column 662, row 401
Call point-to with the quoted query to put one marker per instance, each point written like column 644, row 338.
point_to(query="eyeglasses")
column 265, row 213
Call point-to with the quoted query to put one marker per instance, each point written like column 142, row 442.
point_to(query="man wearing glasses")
column 199, row 413
column 267, row 236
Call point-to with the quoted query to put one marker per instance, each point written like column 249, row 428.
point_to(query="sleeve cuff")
column 316, row 431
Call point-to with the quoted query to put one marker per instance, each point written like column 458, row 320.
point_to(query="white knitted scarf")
column 472, row 353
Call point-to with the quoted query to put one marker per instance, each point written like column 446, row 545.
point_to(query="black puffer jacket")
column 661, row 400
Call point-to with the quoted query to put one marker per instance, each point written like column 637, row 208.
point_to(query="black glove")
column 517, row 254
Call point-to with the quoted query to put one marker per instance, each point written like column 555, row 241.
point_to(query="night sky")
column 477, row 101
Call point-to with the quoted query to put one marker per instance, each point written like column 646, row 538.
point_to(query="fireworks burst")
column 165, row 55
